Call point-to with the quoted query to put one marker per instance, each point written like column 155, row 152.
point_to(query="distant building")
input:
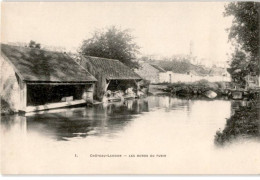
column 218, row 74
column 150, row 72
column 184, row 77
column 180, row 72
column 111, row 74
column 35, row 79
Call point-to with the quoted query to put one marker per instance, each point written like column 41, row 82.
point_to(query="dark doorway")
column 44, row 94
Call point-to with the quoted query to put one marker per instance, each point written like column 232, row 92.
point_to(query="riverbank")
column 207, row 89
column 194, row 88
column 245, row 123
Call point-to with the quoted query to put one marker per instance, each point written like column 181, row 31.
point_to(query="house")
column 166, row 77
column 178, row 73
column 218, row 74
column 150, row 72
column 33, row 79
column 184, row 77
column 193, row 76
column 115, row 80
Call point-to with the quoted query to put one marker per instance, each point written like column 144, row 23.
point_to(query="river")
column 154, row 135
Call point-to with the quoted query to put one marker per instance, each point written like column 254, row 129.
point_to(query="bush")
column 5, row 108
column 244, row 123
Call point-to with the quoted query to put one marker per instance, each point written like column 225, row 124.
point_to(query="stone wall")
column 9, row 88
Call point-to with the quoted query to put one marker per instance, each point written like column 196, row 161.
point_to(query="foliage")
column 244, row 123
column 112, row 43
column 5, row 108
column 238, row 67
column 244, row 34
column 245, row 26
column 194, row 88
column 33, row 44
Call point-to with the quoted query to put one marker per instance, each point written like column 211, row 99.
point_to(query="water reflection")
column 102, row 119
column 111, row 119
column 63, row 124
column 13, row 123
column 183, row 129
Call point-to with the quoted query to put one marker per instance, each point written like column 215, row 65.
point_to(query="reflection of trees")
column 14, row 123
column 244, row 122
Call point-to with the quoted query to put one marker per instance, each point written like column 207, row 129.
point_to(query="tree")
column 112, row 43
column 244, row 34
column 238, row 67
column 33, row 44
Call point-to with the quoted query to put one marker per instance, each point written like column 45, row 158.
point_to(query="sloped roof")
column 45, row 66
column 111, row 68
column 181, row 67
column 174, row 66
column 158, row 68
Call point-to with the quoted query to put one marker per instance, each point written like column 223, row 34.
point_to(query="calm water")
column 179, row 132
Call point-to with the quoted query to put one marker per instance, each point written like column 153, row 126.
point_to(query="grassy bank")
column 245, row 123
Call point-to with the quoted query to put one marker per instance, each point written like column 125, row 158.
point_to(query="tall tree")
column 112, row 43
column 244, row 34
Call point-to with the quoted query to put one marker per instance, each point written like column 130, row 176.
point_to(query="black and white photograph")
column 130, row 88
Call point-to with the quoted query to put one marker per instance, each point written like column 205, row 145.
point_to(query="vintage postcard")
column 130, row 88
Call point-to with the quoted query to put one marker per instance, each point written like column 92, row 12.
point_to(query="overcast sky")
column 160, row 28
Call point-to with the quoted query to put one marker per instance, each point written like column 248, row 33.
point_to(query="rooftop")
column 39, row 65
column 111, row 68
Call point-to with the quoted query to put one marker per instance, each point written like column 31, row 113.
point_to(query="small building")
column 175, row 77
column 193, row 75
column 156, row 74
column 114, row 78
column 218, row 74
column 150, row 72
column 33, row 79
column 166, row 77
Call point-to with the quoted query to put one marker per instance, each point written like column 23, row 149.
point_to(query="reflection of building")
column 36, row 79
column 15, row 123
column 63, row 124
column 167, row 102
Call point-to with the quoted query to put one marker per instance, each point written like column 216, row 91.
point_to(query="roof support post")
column 137, row 85
column 88, row 93
column 107, row 85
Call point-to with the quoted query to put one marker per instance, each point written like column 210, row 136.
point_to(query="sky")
column 163, row 29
